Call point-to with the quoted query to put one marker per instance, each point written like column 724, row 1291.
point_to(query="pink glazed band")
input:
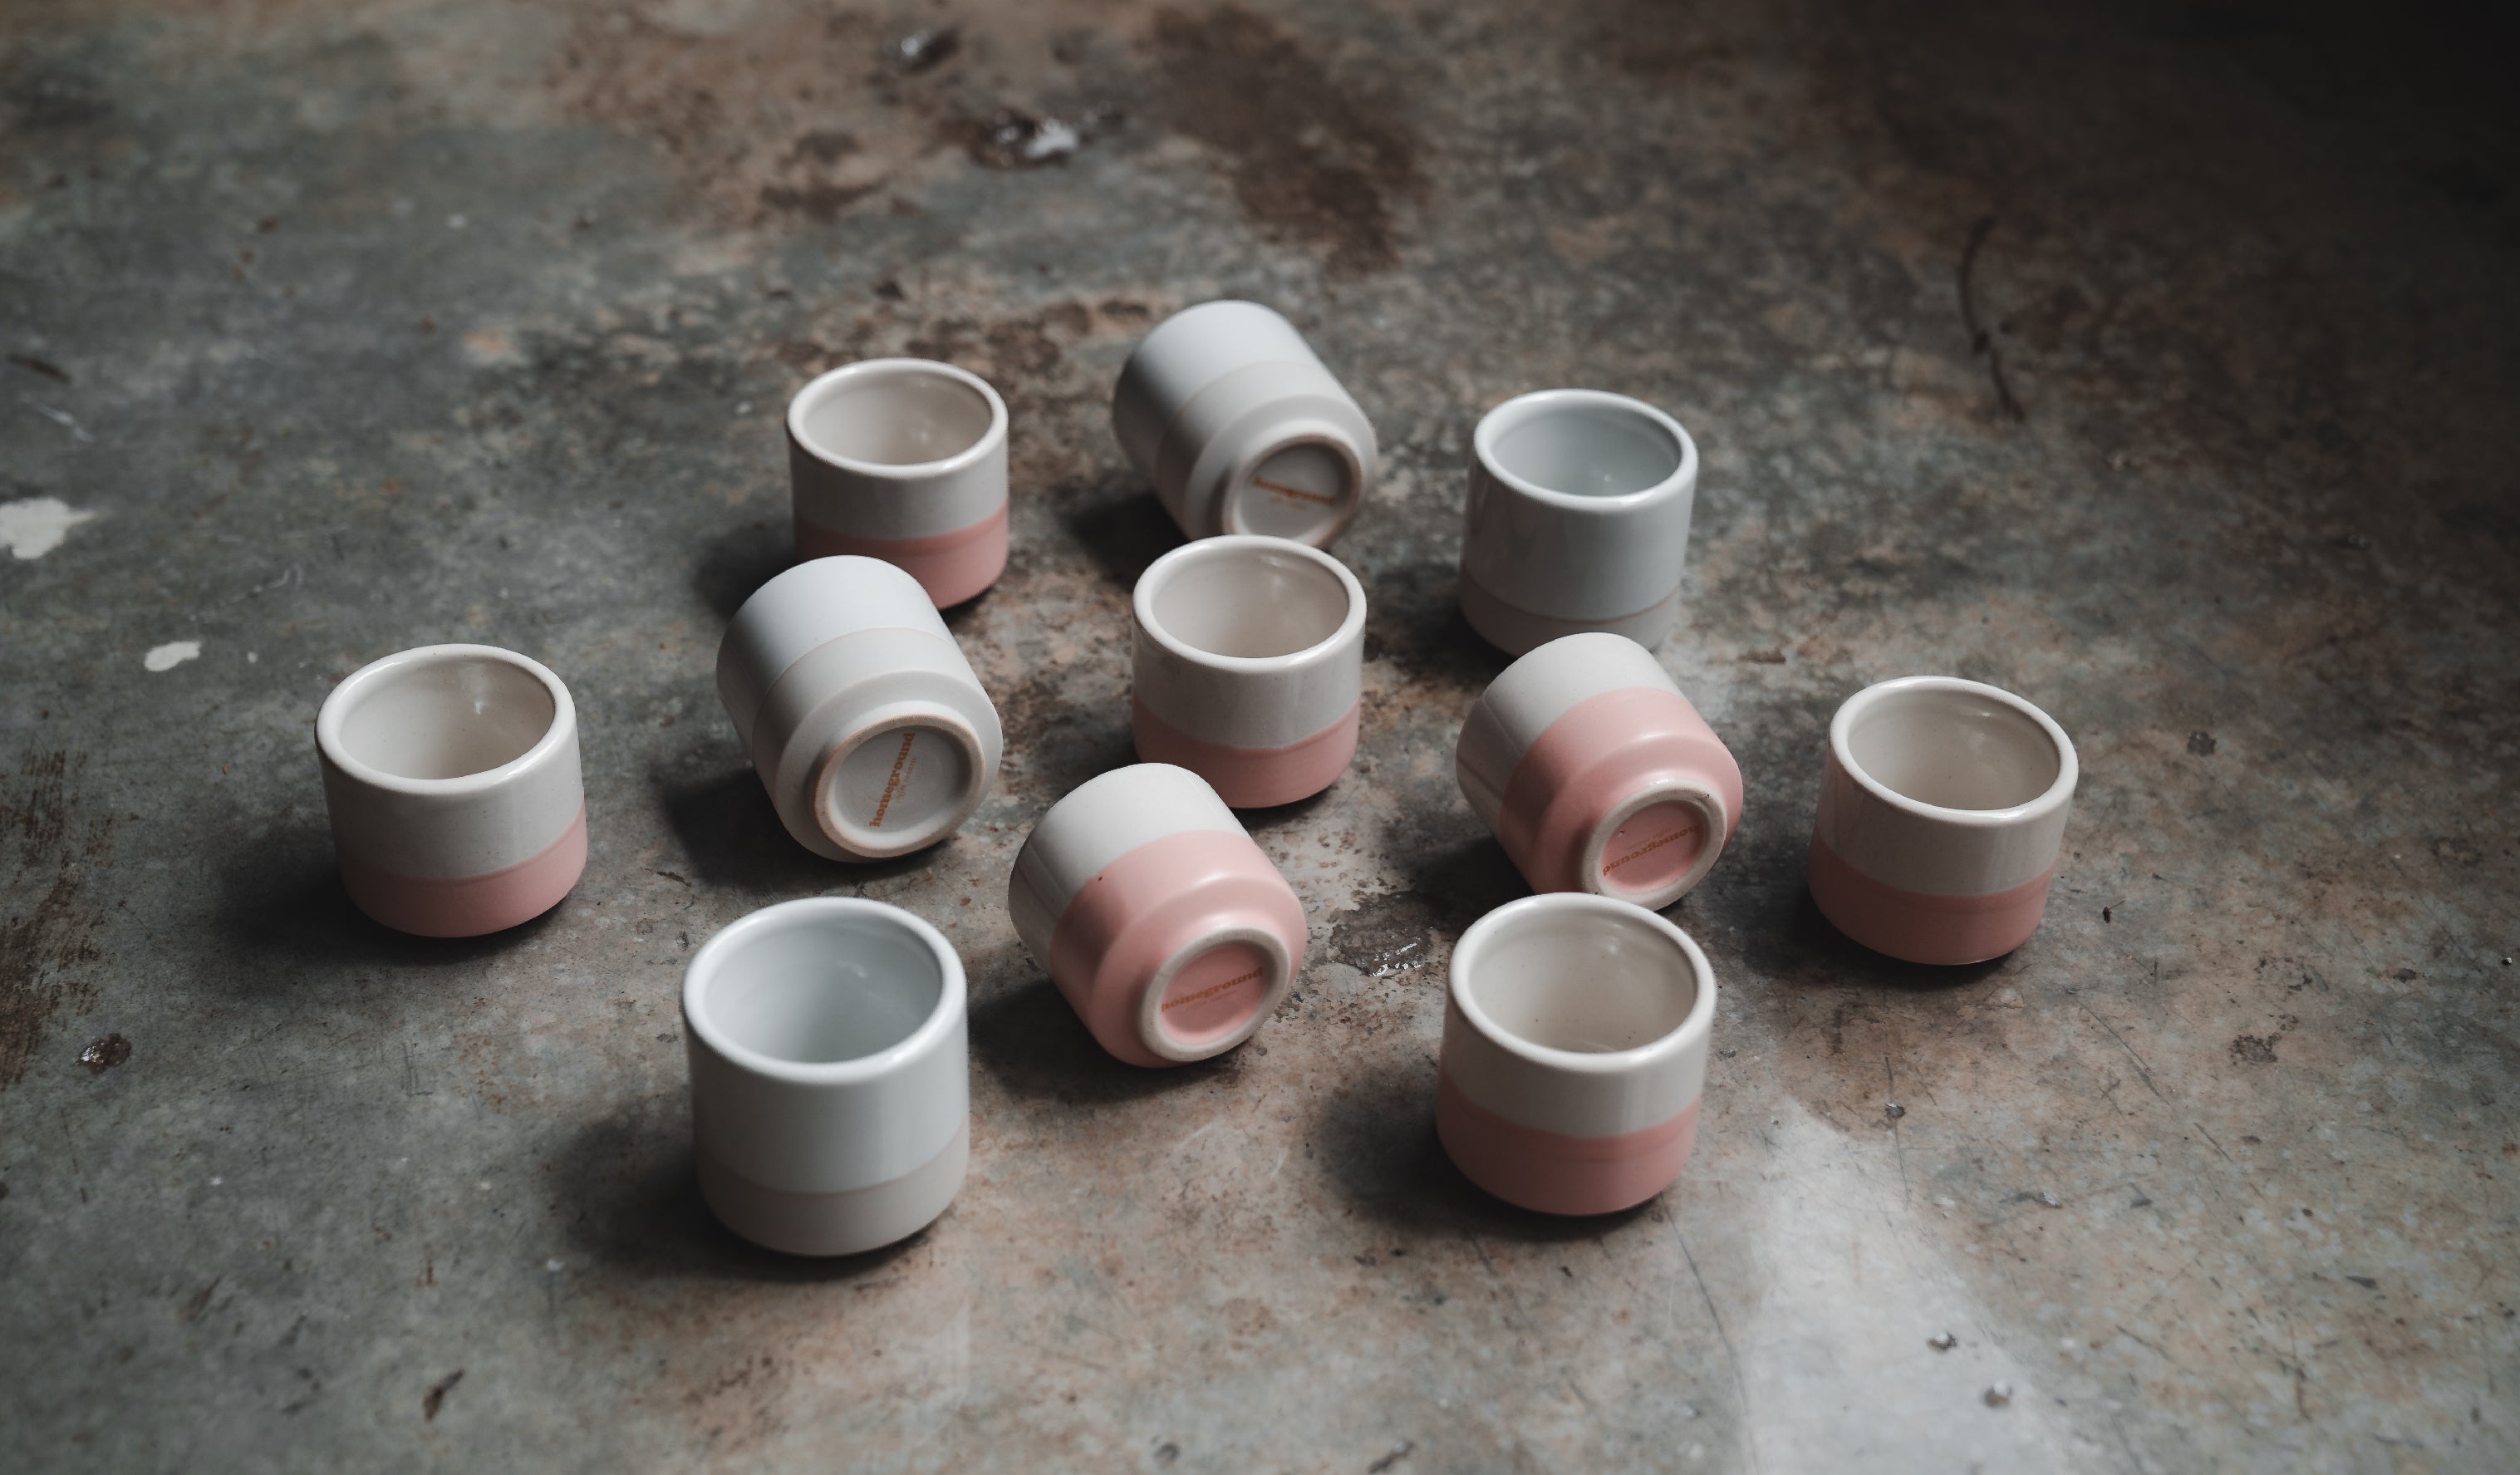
column 1556, row 1173
column 469, row 905
column 1149, row 907
column 1252, row 778
column 951, row 566
column 1920, row 927
column 1583, row 764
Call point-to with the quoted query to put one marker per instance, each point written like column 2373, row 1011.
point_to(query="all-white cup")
column 451, row 776
column 1227, row 410
column 1249, row 666
column 831, row 1074
column 862, row 717
column 903, row 460
column 1577, row 520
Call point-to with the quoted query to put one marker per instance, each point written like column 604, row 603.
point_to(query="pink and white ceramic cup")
column 1574, row 1052
column 831, row 1074
column 1227, row 410
column 1167, row 929
column 1941, row 813
column 451, row 776
column 1248, row 668
column 1596, row 775
column 903, row 460
column 866, row 723
column 1578, row 519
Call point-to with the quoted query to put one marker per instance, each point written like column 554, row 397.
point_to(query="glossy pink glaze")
column 1252, row 778
column 951, row 566
column 1152, row 903
column 1558, row 1174
column 1583, row 764
column 471, row 905
column 1920, row 927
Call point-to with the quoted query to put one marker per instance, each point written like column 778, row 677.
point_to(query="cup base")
column 1517, row 630
column 847, row 1223
column 1251, row 778
column 1915, row 926
column 1552, row 1173
column 470, row 906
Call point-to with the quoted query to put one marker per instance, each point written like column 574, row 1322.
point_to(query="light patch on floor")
column 168, row 656
column 37, row 525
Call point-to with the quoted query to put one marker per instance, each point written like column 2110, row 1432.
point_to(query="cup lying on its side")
column 903, row 460
column 831, row 1074
column 1941, row 814
column 1166, row 928
column 451, row 777
column 1574, row 1054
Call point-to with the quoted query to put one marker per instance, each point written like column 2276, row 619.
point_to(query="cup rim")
column 1160, row 574
column 334, row 712
column 1689, row 1034
column 2046, row 801
column 806, row 911
column 830, row 381
column 1531, row 406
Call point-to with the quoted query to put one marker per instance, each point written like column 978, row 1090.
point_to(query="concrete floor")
column 2155, row 362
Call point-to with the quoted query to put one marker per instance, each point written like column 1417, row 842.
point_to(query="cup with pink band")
column 903, row 460
column 1167, row 929
column 1596, row 775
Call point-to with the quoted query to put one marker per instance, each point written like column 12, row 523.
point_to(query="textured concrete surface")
column 2155, row 362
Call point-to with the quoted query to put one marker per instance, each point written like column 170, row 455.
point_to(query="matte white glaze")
column 1248, row 642
column 897, row 448
column 1540, row 687
column 1100, row 821
column 1946, row 786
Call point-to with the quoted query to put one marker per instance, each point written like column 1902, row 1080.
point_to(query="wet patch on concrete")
column 48, row 942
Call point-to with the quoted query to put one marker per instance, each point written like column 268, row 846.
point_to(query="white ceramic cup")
column 1227, row 410
column 1577, row 520
column 1575, row 1036
column 831, row 1074
column 1941, row 814
column 1248, row 667
column 451, row 776
column 1167, row 929
column 862, row 717
column 903, row 460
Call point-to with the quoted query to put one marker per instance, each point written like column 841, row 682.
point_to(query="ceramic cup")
column 1226, row 410
column 831, row 1074
column 1167, row 929
column 1942, row 812
column 1574, row 1052
column 1596, row 775
column 1250, row 656
column 903, row 460
column 451, row 776
column 1578, row 519
column 862, row 717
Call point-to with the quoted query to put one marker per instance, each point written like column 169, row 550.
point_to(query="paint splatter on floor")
column 37, row 525
column 168, row 656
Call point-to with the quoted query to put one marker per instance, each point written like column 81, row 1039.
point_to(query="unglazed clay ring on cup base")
column 830, row 1069
column 1941, row 813
column 903, row 460
column 1248, row 666
column 451, row 777
column 1574, row 1054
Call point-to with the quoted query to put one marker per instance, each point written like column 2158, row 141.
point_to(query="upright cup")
column 903, row 460
column 1596, row 775
column 450, row 773
column 1574, row 1052
column 831, row 1074
column 1167, row 929
column 863, row 718
column 1224, row 408
column 1941, row 813
column 1577, row 520
column 1249, row 661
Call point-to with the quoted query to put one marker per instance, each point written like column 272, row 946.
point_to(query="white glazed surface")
column 1533, row 692
column 817, row 600
column 1100, row 821
column 1248, row 642
column 449, row 761
column 897, row 448
column 828, row 1045
column 1563, row 521
column 1946, row 786
column 1578, row 1015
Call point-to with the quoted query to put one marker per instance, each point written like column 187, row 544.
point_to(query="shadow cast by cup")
column 1792, row 942
column 1124, row 533
column 736, row 564
column 1031, row 1043
column 732, row 836
column 282, row 903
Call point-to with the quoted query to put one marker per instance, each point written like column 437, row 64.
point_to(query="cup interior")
column 1586, row 980
column 1953, row 748
column 906, row 415
column 1238, row 599
column 1587, row 448
column 827, row 988
column 446, row 717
